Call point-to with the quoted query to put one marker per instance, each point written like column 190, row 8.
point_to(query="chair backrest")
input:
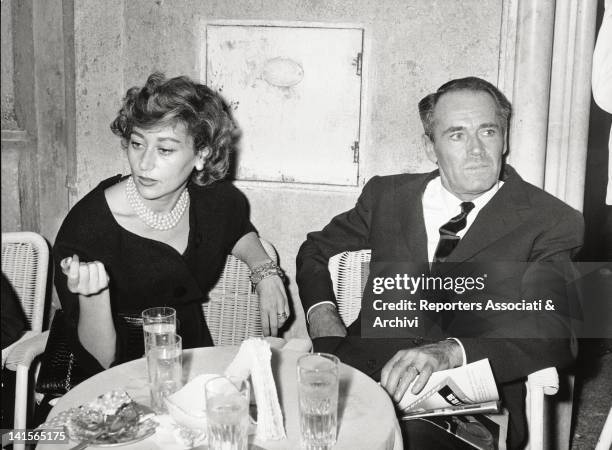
column 25, row 262
column 349, row 273
column 233, row 313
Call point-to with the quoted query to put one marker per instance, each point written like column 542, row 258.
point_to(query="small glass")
column 158, row 325
column 227, row 410
column 165, row 371
column 318, row 400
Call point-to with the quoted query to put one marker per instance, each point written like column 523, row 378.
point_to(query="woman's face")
column 162, row 159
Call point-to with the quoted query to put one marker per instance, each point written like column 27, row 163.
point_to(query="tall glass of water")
column 227, row 411
column 158, row 324
column 166, row 371
column 318, row 400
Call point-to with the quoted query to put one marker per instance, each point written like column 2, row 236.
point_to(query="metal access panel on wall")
column 296, row 96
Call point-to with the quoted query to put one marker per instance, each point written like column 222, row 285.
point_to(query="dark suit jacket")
column 520, row 223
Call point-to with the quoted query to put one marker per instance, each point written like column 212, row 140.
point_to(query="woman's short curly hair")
column 204, row 113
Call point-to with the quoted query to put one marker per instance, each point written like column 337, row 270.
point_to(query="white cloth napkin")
column 187, row 410
column 254, row 359
column 187, row 406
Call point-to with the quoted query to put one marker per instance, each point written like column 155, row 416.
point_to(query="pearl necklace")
column 155, row 220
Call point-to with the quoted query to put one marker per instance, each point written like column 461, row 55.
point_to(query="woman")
column 160, row 236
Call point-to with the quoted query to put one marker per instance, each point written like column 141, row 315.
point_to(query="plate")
column 119, row 443
column 88, row 420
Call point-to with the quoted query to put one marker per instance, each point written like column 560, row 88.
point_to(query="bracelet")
column 265, row 270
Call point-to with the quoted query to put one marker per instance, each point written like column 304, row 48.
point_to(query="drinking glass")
column 318, row 400
column 158, row 324
column 165, row 363
column 227, row 410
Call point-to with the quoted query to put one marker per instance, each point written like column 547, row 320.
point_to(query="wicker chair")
column 349, row 272
column 25, row 262
column 232, row 313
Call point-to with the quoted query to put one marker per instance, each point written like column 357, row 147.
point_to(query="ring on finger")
column 406, row 372
column 282, row 316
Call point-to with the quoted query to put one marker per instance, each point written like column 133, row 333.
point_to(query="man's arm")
column 346, row 232
column 324, row 320
column 552, row 343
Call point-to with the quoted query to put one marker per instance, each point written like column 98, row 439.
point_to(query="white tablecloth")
column 366, row 416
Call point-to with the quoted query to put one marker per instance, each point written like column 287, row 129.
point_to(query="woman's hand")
column 96, row 329
column 273, row 304
column 84, row 278
column 271, row 290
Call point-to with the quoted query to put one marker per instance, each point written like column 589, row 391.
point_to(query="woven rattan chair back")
column 349, row 272
column 25, row 262
column 233, row 313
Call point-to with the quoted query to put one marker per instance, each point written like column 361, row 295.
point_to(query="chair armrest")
column 298, row 345
column 605, row 438
column 26, row 351
column 7, row 351
column 540, row 383
column 546, row 379
column 275, row 342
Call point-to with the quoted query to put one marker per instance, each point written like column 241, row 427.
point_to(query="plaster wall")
column 11, row 214
column 7, row 91
column 14, row 142
column 412, row 47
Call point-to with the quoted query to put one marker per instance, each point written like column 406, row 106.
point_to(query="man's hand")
column 418, row 363
column 324, row 320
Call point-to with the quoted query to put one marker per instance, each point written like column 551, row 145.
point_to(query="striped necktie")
column 448, row 233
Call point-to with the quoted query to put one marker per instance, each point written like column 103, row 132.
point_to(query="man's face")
column 469, row 141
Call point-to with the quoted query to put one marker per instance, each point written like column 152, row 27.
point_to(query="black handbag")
column 60, row 370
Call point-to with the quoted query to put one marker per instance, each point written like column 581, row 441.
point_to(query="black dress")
column 145, row 273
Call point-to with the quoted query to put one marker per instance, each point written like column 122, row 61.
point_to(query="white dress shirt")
column 439, row 206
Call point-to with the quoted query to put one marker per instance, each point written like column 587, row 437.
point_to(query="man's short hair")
column 428, row 104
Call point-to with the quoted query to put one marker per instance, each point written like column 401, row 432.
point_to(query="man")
column 402, row 217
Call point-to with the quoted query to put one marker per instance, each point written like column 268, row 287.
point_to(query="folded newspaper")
column 467, row 389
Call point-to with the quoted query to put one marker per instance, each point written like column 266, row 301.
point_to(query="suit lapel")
column 504, row 212
column 409, row 198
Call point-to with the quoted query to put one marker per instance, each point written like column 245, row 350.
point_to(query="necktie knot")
column 448, row 232
column 466, row 207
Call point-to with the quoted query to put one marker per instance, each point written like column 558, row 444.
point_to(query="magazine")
column 467, row 389
column 480, row 431
column 464, row 402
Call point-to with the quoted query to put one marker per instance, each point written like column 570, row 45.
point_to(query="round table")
column 366, row 416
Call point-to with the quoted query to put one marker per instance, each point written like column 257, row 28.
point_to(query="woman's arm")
column 95, row 327
column 271, row 290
